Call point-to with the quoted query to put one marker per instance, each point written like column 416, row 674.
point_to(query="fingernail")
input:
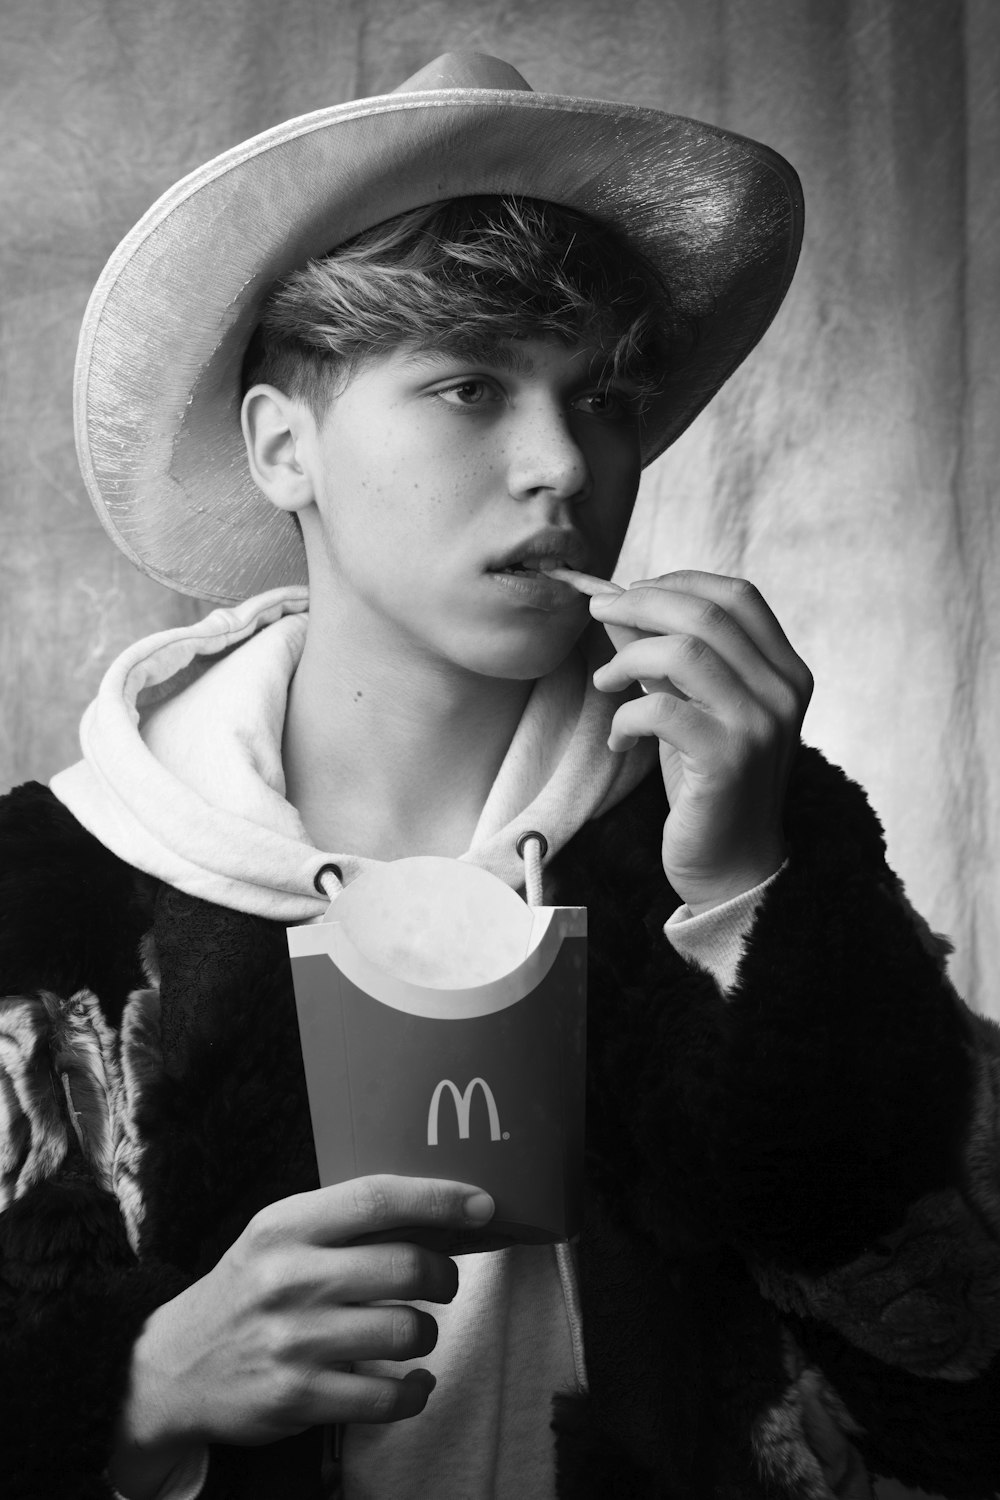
column 424, row 1378
column 598, row 600
column 479, row 1208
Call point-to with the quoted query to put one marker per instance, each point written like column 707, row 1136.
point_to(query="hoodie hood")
column 181, row 774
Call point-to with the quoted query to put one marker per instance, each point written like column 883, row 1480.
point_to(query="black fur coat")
column 790, row 1265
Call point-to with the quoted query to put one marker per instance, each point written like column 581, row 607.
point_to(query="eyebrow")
column 502, row 355
column 506, row 355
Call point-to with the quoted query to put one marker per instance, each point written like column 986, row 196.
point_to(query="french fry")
column 584, row 583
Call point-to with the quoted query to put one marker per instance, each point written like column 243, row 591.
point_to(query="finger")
column 398, row 1331
column 400, row 1270
column 676, row 722
column 737, row 596
column 684, row 666
column 657, row 610
column 364, row 1205
column 650, row 613
column 730, row 613
column 343, row 1396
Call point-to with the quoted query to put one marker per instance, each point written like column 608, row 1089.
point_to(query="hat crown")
column 464, row 70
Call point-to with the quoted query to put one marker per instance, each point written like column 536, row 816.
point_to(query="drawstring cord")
column 532, row 848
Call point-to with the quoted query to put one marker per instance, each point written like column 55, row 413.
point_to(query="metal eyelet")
column 533, row 834
column 318, row 877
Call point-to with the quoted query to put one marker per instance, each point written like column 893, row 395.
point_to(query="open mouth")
column 535, row 565
column 529, row 581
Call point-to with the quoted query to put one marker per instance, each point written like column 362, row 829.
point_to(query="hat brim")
column 157, row 392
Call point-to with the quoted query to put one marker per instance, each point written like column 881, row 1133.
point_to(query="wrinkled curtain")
column 848, row 469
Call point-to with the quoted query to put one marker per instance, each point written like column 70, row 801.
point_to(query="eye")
column 471, row 392
column 607, row 402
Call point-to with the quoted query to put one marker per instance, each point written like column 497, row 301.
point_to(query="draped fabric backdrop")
column 847, row 469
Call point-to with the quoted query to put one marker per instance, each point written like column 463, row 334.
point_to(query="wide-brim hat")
column 157, row 395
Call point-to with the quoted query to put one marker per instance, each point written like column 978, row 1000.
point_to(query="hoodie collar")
column 181, row 774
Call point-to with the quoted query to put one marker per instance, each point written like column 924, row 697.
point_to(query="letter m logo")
column 463, row 1108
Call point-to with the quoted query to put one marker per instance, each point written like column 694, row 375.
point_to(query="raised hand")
column 725, row 696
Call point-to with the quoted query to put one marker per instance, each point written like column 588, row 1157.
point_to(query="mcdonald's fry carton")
column 443, row 1028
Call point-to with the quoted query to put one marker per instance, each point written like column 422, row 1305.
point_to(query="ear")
column 277, row 432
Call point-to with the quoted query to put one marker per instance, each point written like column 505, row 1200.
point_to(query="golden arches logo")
column 463, row 1109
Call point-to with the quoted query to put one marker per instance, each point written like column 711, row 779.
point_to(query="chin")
column 525, row 662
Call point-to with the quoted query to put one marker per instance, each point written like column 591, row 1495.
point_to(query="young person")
column 786, row 1281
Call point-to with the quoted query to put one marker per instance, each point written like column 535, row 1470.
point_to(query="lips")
column 551, row 547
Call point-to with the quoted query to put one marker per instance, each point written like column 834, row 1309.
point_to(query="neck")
column 387, row 754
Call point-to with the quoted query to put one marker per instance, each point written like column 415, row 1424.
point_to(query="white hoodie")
column 182, row 778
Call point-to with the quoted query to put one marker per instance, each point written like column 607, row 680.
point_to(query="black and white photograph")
column 499, row 775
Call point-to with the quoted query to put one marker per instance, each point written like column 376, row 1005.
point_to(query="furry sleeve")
column 73, row 1296
column 861, row 1147
column 835, row 1120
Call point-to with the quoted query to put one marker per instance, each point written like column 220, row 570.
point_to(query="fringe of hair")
column 463, row 275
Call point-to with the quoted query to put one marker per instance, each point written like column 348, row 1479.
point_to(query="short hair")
column 463, row 275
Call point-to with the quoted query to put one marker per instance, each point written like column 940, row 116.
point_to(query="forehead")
column 511, row 355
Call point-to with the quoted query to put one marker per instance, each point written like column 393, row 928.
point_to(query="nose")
column 545, row 458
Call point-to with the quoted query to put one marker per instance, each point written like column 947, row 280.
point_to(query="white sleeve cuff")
column 185, row 1482
column 714, row 939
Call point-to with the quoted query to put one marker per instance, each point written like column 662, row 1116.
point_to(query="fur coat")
column 790, row 1264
